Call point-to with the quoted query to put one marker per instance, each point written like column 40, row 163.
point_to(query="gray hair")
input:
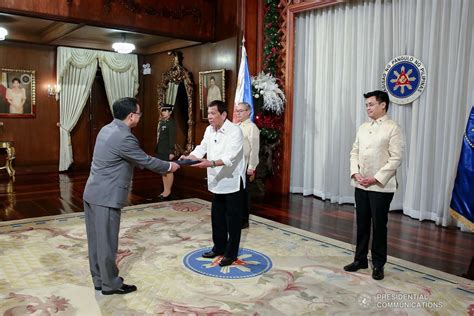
column 245, row 104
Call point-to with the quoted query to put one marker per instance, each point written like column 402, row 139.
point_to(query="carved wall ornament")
column 136, row 7
column 178, row 74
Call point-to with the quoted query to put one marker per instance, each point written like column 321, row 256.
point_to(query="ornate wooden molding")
column 178, row 74
column 164, row 12
column 281, row 61
column 190, row 20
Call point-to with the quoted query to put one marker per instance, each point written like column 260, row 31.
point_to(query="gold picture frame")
column 17, row 93
column 211, row 87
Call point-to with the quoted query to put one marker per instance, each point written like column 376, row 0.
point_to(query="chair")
column 10, row 150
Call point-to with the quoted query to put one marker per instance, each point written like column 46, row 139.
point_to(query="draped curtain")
column 340, row 54
column 120, row 73
column 76, row 69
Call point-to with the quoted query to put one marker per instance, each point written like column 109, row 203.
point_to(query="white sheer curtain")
column 76, row 69
column 120, row 73
column 171, row 93
column 340, row 53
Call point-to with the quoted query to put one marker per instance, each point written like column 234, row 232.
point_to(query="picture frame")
column 17, row 93
column 211, row 86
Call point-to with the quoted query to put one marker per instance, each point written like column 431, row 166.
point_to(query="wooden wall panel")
column 190, row 19
column 252, row 22
column 36, row 139
column 226, row 19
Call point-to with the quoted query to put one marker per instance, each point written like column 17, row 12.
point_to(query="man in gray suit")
column 116, row 153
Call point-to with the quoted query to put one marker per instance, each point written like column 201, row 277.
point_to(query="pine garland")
column 272, row 46
column 268, row 117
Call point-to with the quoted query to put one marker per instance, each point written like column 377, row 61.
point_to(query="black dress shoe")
column 211, row 254
column 164, row 198
column 377, row 274
column 124, row 289
column 99, row 288
column 356, row 265
column 226, row 261
column 245, row 225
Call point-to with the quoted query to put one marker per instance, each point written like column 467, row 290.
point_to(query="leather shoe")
column 377, row 274
column 99, row 288
column 164, row 198
column 124, row 289
column 356, row 265
column 211, row 254
column 245, row 225
column 226, row 261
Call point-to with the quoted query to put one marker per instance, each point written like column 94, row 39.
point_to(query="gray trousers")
column 102, row 227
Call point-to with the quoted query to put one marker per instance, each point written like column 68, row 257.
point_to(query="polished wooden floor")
column 446, row 249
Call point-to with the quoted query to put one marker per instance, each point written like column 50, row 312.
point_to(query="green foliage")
column 272, row 46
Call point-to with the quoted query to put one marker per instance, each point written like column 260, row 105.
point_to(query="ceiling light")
column 123, row 47
column 3, row 33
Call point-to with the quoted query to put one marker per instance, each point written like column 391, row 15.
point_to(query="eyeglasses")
column 240, row 111
column 138, row 113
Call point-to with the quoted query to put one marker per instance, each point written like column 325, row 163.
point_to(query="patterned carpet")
column 281, row 271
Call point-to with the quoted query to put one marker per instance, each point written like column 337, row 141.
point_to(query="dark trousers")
column 226, row 215
column 246, row 202
column 372, row 212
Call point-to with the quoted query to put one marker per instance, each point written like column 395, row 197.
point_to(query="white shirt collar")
column 223, row 127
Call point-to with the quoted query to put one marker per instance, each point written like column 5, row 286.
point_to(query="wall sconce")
column 53, row 90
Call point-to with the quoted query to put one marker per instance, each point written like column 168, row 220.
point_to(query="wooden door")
column 95, row 115
column 101, row 114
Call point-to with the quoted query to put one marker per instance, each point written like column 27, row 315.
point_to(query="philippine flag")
column 243, row 92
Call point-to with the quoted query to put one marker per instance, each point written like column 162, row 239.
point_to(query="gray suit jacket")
column 116, row 153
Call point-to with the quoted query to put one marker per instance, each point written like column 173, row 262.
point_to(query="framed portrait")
column 17, row 93
column 211, row 87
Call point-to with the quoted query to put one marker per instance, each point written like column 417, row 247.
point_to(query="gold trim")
column 462, row 219
column 10, row 149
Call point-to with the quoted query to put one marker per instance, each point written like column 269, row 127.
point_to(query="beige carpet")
column 44, row 271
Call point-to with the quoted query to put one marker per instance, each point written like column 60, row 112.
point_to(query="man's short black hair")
column 221, row 106
column 380, row 96
column 123, row 107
